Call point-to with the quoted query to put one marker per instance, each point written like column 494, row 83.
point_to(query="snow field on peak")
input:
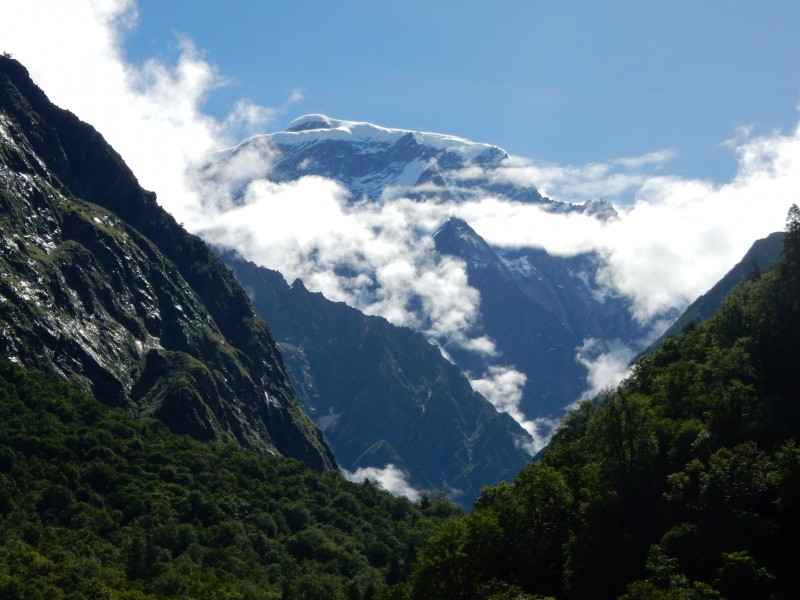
column 320, row 127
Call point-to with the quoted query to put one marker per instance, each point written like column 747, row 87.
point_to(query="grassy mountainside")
column 102, row 286
column 683, row 483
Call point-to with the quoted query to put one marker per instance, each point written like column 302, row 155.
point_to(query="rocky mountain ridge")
column 539, row 309
column 102, row 286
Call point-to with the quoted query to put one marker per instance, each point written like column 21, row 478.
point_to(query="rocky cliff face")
column 383, row 394
column 100, row 285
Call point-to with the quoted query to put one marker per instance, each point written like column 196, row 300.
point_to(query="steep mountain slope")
column 383, row 394
column 539, row 309
column 100, row 285
column 761, row 254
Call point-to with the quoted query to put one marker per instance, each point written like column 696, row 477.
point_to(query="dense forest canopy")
column 683, row 483
column 97, row 504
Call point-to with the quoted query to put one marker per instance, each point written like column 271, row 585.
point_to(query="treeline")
column 96, row 504
column 684, row 483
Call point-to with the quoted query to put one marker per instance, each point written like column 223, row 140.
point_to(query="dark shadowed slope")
column 383, row 394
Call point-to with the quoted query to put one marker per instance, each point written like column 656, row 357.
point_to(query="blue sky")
column 567, row 82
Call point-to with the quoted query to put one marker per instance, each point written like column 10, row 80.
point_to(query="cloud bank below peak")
column 391, row 478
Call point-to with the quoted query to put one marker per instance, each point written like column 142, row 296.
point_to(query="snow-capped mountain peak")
column 316, row 127
column 374, row 162
column 309, row 122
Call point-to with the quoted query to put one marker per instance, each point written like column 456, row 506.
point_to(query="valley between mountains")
column 183, row 417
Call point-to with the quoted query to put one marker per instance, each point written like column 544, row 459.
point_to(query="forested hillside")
column 683, row 483
column 97, row 504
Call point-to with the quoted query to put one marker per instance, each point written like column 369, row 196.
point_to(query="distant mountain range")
column 536, row 309
column 539, row 311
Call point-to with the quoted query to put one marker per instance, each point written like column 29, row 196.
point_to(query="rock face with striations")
column 102, row 286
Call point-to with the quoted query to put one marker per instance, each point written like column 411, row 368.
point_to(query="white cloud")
column 377, row 257
column 674, row 240
column 615, row 179
column 607, row 364
column 390, row 477
column 248, row 118
column 152, row 113
column 503, row 387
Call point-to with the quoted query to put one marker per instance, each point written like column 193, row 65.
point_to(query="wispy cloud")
column 607, row 364
column 616, row 179
column 657, row 159
column 677, row 236
column 378, row 257
column 152, row 113
column 391, row 478
column 503, row 387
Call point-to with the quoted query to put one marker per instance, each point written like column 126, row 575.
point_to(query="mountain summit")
column 535, row 311
column 539, row 310
column 367, row 132
column 375, row 162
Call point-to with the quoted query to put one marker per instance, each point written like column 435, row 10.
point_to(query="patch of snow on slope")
column 520, row 265
column 4, row 135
